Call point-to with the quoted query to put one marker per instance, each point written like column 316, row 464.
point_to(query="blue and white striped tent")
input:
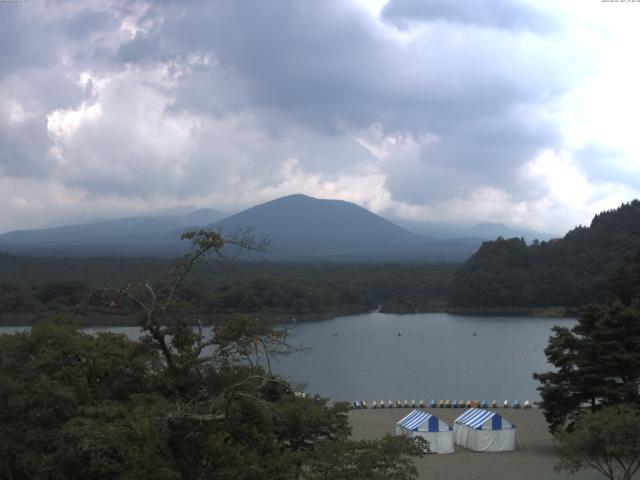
column 423, row 424
column 483, row 430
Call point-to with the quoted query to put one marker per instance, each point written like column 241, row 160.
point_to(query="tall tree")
column 597, row 363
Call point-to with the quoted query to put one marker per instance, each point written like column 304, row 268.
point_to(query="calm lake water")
column 437, row 356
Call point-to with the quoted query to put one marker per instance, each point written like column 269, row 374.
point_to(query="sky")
column 521, row 112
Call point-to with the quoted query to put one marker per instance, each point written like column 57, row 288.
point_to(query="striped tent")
column 482, row 430
column 429, row 427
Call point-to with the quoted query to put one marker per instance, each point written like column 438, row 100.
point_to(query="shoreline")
column 115, row 320
column 536, row 312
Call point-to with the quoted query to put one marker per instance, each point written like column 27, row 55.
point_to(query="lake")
column 436, row 356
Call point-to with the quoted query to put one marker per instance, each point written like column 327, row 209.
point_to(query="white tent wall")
column 432, row 429
column 484, row 431
column 485, row 440
column 439, row 442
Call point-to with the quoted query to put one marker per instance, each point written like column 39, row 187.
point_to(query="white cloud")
column 122, row 107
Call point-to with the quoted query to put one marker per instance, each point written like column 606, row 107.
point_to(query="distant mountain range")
column 144, row 236
column 480, row 231
column 298, row 227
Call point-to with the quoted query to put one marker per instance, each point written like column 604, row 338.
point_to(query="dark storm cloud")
column 506, row 14
column 324, row 63
column 305, row 59
column 24, row 141
column 478, row 152
column 21, row 40
column 38, row 75
column 137, row 49
column 24, row 149
column 197, row 96
column 330, row 68
column 82, row 24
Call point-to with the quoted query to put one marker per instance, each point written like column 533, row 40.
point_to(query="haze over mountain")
column 303, row 227
column 187, row 215
column 124, row 236
column 479, row 231
column 298, row 227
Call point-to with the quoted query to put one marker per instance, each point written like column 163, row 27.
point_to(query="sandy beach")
column 534, row 460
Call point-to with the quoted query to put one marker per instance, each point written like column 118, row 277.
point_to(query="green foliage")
column 607, row 441
column 296, row 297
column 64, row 392
column 597, row 363
column 570, row 272
column 174, row 405
column 65, row 292
column 14, row 298
column 625, row 284
column 33, row 287
column 598, row 360
column 387, row 459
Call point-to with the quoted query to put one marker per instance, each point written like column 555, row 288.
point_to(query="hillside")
column 479, row 232
column 569, row 272
column 305, row 228
column 298, row 227
column 121, row 236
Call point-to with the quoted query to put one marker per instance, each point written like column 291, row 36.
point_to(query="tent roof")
column 476, row 417
column 415, row 420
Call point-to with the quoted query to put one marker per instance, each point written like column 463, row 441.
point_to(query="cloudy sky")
column 475, row 110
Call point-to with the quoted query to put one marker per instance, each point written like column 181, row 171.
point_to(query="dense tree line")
column 570, row 272
column 288, row 296
column 33, row 288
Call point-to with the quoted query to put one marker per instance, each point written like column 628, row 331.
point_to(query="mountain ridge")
column 299, row 227
column 319, row 226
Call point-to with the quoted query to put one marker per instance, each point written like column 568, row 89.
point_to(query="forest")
column 33, row 288
column 570, row 272
column 503, row 276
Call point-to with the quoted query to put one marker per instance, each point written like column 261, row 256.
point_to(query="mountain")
column 124, row 236
column 493, row 230
column 203, row 216
column 479, row 232
column 298, row 227
column 568, row 272
column 305, row 228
